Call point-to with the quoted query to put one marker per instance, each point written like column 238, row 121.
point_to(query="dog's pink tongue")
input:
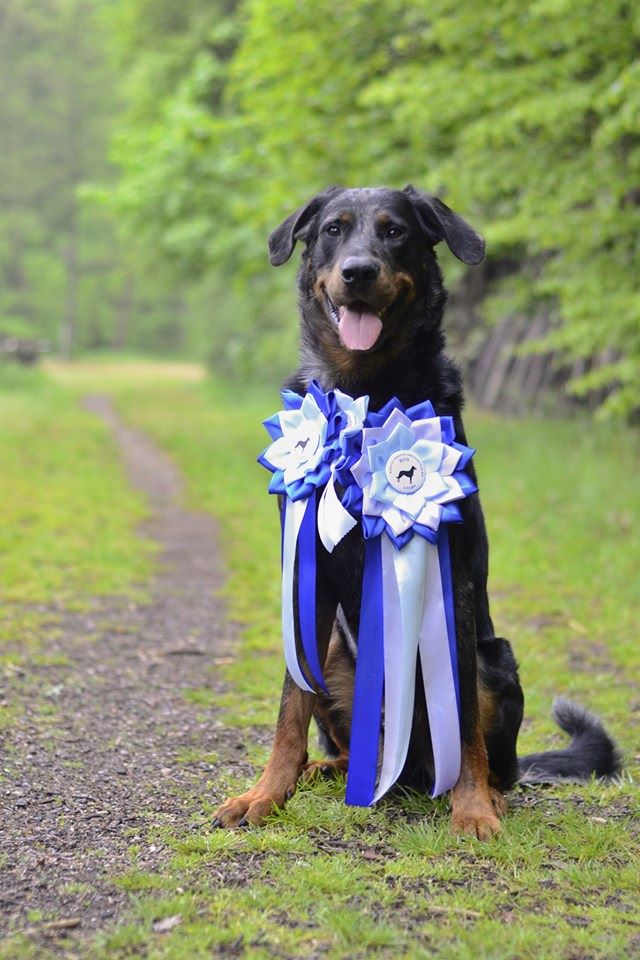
column 359, row 329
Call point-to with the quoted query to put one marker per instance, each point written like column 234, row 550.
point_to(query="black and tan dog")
column 371, row 303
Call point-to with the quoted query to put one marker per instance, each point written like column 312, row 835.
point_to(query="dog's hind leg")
column 501, row 707
column 289, row 752
column 333, row 711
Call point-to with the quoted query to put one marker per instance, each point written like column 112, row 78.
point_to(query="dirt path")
column 97, row 756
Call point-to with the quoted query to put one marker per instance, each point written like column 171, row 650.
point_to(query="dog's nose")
column 359, row 272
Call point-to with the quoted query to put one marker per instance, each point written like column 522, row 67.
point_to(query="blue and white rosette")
column 409, row 475
column 307, row 443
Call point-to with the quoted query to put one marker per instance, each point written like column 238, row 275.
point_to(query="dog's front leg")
column 289, row 752
column 474, row 806
column 283, row 770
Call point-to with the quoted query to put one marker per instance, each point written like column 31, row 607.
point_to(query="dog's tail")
column 591, row 751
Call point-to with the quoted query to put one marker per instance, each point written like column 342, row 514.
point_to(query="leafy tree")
column 529, row 113
column 525, row 117
column 223, row 117
column 65, row 274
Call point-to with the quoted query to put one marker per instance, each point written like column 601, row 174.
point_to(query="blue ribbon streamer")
column 307, row 590
column 369, row 681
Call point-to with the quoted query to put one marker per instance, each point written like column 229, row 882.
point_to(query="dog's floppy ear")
column 283, row 239
column 441, row 223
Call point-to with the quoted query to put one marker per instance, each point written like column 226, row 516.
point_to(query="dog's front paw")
column 476, row 821
column 251, row 808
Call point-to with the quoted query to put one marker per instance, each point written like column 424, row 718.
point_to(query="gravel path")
column 97, row 754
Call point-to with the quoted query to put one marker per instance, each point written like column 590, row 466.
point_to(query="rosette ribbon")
column 307, row 444
column 409, row 474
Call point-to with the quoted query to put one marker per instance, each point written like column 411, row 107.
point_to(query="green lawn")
column 323, row 880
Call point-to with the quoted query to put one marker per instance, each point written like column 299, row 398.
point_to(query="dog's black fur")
column 373, row 250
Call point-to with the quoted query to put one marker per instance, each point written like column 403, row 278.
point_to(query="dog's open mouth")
column 358, row 325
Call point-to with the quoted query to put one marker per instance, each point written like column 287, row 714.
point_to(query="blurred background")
column 149, row 146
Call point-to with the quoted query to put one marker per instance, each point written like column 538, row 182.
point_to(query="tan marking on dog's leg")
column 487, row 709
column 473, row 810
column 340, row 674
column 334, row 711
column 289, row 752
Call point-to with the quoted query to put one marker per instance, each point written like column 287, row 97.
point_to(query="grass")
column 61, row 484
column 326, row 880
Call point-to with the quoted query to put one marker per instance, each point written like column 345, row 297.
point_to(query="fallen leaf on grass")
column 369, row 855
column 166, row 924
column 183, row 652
column 69, row 923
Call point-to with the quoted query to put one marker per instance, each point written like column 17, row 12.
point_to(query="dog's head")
column 368, row 258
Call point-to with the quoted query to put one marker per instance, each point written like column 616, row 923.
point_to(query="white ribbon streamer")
column 334, row 522
column 293, row 516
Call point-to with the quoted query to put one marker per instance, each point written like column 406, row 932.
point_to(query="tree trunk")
column 123, row 316
column 70, row 316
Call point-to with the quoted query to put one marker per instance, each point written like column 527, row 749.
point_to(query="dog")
column 407, row 473
column 371, row 301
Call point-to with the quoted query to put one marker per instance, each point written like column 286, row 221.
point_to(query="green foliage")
column 67, row 276
column 525, row 118
column 149, row 147
column 529, row 120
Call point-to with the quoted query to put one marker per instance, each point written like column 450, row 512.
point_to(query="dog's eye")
column 394, row 232
column 333, row 229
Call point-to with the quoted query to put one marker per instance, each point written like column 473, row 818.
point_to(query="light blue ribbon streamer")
column 444, row 556
column 439, row 660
